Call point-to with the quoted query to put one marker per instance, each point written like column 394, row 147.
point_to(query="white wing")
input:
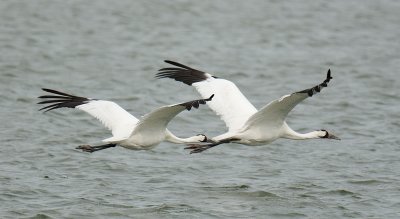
column 229, row 103
column 115, row 118
column 156, row 121
column 275, row 112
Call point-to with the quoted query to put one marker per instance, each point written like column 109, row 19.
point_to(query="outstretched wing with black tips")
column 275, row 112
column 158, row 119
column 61, row 100
column 196, row 103
column 182, row 73
column 114, row 117
column 229, row 103
column 318, row 88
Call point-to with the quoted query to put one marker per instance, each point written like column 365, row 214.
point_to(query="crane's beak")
column 330, row 136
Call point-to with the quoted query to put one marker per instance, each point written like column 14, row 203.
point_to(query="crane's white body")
column 244, row 122
column 132, row 133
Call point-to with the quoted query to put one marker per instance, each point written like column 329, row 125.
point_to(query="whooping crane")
column 245, row 124
column 128, row 131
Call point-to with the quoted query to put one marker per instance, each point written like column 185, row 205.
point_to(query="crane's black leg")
column 91, row 149
column 198, row 148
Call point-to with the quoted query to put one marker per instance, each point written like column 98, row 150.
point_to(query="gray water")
column 112, row 50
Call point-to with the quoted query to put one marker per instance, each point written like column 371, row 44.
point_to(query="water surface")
column 112, row 50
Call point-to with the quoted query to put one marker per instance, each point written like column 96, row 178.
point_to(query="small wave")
column 342, row 192
column 305, row 186
column 168, row 208
column 40, row 216
column 260, row 194
column 117, row 205
column 227, row 188
column 289, row 215
column 366, row 182
column 242, row 191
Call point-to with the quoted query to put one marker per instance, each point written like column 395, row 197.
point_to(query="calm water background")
column 112, row 49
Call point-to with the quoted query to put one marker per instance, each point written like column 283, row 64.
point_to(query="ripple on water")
column 41, row 216
column 168, row 208
column 289, row 215
column 226, row 188
column 342, row 192
column 367, row 182
column 259, row 194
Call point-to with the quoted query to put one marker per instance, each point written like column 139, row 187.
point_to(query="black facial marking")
column 326, row 135
column 205, row 139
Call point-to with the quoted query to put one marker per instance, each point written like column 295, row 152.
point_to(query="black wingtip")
column 57, row 92
column 328, row 74
column 178, row 64
column 173, row 63
column 60, row 99
column 319, row 87
column 196, row 103
column 182, row 73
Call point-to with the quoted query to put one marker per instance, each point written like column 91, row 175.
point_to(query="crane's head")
column 325, row 134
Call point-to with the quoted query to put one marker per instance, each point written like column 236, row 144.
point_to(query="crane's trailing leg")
column 91, row 149
column 198, row 148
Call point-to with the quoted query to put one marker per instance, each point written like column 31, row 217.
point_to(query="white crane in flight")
column 128, row 131
column 246, row 125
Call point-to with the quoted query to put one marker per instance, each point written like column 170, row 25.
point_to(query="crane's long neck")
column 291, row 134
column 174, row 139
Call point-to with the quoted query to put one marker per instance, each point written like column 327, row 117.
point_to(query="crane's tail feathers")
column 319, row 87
column 60, row 100
column 196, row 103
